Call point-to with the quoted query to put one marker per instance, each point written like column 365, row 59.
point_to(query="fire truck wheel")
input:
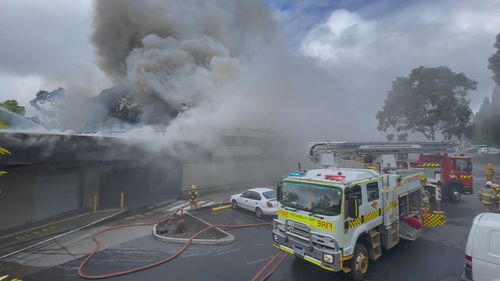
column 259, row 213
column 454, row 195
column 234, row 204
column 359, row 263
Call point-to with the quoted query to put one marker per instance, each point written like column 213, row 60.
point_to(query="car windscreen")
column 269, row 194
column 314, row 198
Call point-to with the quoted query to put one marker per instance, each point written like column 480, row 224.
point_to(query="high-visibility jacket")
column 489, row 170
column 490, row 196
column 193, row 195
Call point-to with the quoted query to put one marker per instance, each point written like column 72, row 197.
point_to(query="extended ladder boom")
column 315, row 149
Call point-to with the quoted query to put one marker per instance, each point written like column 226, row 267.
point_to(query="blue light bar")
column 296, row 174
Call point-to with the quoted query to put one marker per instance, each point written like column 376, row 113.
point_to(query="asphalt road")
column 437, row 255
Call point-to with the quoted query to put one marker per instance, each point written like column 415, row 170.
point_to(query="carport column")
column 94, row 204
column 122, row 200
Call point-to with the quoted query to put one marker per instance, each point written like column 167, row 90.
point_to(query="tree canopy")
column 13, row 106
column 45, row 97
column 494, row 61
column 486, row 129
column 429, row 101
column 487, row 120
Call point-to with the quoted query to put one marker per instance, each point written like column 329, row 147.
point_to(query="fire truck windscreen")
column 324, row 200
column 463, row 165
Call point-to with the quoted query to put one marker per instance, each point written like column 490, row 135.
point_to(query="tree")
column 429, row 101
column 403, row 137
column 45, row 97
column 13, row 106
column 494, row 61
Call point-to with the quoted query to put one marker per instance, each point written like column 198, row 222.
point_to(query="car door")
column 252, row 201
column 243, row 201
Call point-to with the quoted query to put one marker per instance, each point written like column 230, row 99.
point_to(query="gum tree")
column 430, row 101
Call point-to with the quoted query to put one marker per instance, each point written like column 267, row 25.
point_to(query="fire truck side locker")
column 389, row 230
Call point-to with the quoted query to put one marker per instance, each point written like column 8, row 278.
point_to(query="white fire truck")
column 339, row 218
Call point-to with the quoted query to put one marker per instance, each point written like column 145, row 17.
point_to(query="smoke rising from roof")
column 173, row 52
column 224, row 59
column 120, row 26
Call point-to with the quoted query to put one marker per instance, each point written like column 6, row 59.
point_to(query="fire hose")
column 159, row 262
column 279, row 258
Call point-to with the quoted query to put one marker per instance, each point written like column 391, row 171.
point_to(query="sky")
column 366, row 44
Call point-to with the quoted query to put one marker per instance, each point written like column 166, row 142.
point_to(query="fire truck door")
column 352, row 224
column 373, row 208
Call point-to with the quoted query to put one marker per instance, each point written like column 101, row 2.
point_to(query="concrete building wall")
column 16, row 200
column 90, row 185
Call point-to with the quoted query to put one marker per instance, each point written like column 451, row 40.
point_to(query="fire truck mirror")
column 279, row 190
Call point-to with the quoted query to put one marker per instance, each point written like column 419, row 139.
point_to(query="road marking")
column 4, row 277
column 184, row 204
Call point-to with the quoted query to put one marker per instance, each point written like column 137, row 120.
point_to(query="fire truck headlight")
column 327, row 258
column 275, row 237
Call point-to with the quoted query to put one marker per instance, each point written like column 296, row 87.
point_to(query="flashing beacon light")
column 296, row 174
column 335, row 177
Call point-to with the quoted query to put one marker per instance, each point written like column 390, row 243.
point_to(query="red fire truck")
column 453, row 173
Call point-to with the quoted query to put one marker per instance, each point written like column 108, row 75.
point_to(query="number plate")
column 299, row 226
column 298, row 251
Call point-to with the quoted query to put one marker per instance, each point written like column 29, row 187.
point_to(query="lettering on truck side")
column 310, row 221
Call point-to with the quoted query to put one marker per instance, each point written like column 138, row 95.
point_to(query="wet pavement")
column 437, row 255
column 16, row 241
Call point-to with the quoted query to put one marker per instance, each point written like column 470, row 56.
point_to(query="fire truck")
column 341, row 216
column 452, row 173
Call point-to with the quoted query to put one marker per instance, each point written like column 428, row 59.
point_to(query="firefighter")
column 490, row 173
column 490, row 196
column 193, row 195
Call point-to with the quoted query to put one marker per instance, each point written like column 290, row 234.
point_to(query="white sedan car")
column 260, row 200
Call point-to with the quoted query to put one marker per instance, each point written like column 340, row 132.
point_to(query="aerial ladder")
column 319, row 152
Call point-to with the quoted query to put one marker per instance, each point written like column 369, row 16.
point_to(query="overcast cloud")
column 364, row 45
column 46, row 44
column 368, row 51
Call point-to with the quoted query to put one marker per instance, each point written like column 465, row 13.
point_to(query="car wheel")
column 359, row 263
column 259, row 213
column 234, row 204
column 454, row 195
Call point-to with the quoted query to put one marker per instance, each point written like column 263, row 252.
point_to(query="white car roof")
column 260, row 189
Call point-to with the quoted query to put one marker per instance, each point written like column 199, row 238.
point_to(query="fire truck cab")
column 340, row 218
column 453, row 173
